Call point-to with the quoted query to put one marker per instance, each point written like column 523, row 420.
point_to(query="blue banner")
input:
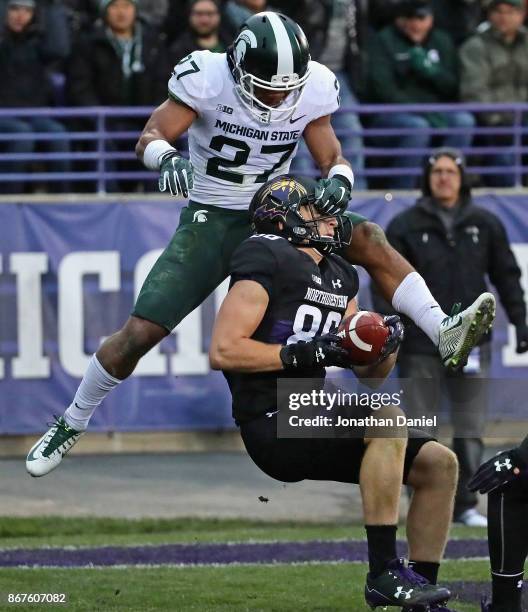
column 69, row 274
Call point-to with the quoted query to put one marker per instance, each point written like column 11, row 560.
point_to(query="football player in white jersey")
column 245, row 111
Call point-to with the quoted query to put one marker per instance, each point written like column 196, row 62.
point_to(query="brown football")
column 363, row 336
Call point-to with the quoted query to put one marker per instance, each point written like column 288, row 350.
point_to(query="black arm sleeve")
column 505, row 274
column 254, row 260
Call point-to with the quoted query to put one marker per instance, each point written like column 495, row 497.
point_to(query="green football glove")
column 176, row 174
column 332, row 195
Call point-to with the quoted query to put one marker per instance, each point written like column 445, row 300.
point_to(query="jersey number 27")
column 216, row 165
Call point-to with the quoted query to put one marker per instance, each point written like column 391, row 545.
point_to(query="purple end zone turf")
column 188, row 554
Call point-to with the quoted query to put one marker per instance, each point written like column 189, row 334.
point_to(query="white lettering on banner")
column 71, row 272
column 1, row 360
column 220, row 293
column 154, row 363
column 31, row 361
column 510, row 358
column 189, row 357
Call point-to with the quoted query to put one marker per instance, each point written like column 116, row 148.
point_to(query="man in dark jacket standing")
column 27, row 47
column 454, row 244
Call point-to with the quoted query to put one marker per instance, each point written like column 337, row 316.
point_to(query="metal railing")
column 98, row 146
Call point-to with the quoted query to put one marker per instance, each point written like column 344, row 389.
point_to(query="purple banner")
column 69, row 274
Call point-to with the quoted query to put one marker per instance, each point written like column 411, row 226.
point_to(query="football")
column 363, row 336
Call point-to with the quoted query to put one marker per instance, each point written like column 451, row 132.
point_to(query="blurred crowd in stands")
column 121, row 52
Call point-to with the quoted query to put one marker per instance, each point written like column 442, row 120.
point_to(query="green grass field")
column 58, row 531
column 328, row 587
column 278, row 587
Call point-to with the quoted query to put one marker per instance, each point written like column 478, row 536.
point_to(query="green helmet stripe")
column 284, row 45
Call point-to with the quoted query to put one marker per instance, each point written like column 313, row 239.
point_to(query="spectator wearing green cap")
column 413, row 62
column 495, row 69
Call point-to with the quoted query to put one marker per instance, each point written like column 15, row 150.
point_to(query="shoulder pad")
column 271, row 237
column 198, row 77
column 276, row 246
column 323, row 87
column 258, row 252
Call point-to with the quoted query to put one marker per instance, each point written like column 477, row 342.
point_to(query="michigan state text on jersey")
column 232, row 150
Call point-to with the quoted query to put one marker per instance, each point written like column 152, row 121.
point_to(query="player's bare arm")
column 168, row 122
column 370, row 248
column 154, row 148
column 333, row 192
column 232, row 348
column 323, row 144
column 397, row 280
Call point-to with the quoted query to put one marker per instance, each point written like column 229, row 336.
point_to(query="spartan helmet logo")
column 245, row 39
column 200, row 216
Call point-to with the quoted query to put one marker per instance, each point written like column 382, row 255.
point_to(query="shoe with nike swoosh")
column 292, row 120
column 48, row 452
column 461, row 331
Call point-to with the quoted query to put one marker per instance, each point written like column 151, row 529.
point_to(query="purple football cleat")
column 400, row 586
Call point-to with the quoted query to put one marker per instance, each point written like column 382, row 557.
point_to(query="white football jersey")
column 232, row 153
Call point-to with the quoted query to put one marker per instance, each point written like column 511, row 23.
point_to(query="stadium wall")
column 69, row 272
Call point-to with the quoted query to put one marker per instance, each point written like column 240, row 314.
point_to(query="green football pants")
column 194, row 263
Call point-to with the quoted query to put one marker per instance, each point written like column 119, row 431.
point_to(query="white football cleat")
column 461, row 331
column 48, row 452
column 472, row 518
